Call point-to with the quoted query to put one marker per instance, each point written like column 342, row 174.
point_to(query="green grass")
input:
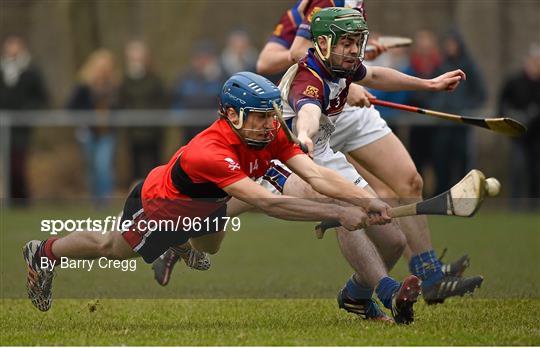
column 263, row 322
column 273, row 283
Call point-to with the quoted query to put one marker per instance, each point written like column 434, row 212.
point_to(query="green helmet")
column 334, row 22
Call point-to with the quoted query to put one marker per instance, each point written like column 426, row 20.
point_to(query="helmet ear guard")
column 328, row 39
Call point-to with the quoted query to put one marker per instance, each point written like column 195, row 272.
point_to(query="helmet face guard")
column 247, row 92
column 332, row 24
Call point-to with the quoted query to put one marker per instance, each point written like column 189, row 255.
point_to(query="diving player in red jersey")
column 216, row 165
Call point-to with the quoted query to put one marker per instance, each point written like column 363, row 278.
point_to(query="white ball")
column 493, row 187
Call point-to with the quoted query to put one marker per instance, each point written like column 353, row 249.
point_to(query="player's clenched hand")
column 303, row 138
column 378, row 212
column 353, row 218
column 359, row 96
column 447, row 81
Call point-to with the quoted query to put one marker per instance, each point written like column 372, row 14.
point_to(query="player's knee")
column 399, row 242
column 412, row 187
column 396, row 244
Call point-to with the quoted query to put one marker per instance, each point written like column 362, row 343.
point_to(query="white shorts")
column 357, row 127
column 337, row 161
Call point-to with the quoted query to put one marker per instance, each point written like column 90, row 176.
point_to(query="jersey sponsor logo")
column 313, row 12
column 311, row 91
column 278, row 30
column 232, row 164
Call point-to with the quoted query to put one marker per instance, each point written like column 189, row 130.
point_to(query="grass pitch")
column 273, row 283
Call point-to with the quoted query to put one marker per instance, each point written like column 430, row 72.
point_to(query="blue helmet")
column 245, row 92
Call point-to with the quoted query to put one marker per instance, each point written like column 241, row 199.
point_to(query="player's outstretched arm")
column 387, row 79
column 273, row 59
column 330, row 183
column 292, row 208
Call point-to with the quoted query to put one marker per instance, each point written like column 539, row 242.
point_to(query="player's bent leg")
column 403, row 178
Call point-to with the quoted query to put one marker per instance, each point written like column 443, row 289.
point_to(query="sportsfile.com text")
column 115, row 223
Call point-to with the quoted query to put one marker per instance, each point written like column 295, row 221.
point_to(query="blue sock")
column 357, row 291
column 427, row 267
column 386, row 288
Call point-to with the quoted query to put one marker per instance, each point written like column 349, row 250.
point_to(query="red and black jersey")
column 192, row 182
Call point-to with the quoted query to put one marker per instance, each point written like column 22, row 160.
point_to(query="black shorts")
column 152, row 244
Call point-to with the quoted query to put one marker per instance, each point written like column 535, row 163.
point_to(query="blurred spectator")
column 200, row 85
column 239, row 54
column 426, row 58
column 451, row 142
column 21, row 88
column 141, row 88
column 98, row 91
column 520, row 99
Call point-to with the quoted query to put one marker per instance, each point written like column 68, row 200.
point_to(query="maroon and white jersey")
column 310, row 82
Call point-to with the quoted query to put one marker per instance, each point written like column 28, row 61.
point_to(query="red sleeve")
column 306, row 88
column 216, row 164
column 283, row 149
